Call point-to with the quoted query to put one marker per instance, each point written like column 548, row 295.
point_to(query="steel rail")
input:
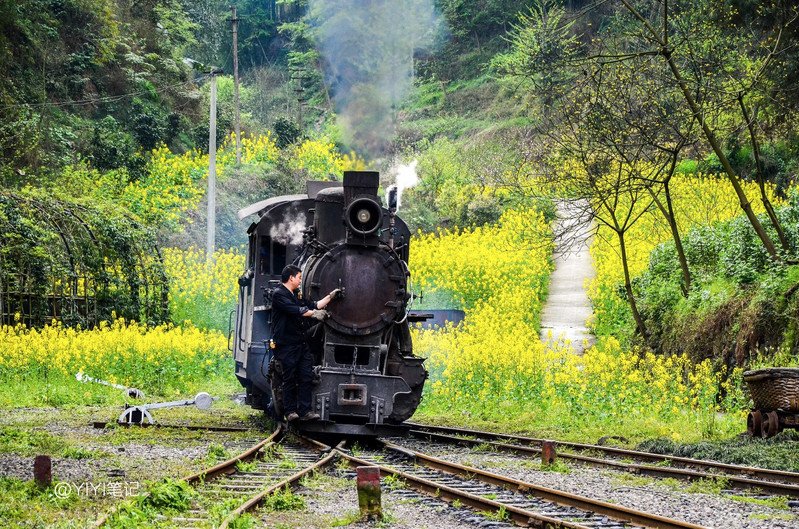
column 762, row 473
column 226, row 467
column 734, row 481
column 255, row 500
column 616, row 512
column 229, row 466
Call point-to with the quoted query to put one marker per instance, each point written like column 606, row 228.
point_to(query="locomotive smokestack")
column 357, row 183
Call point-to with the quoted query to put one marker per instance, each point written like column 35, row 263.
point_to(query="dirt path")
column 567, row 308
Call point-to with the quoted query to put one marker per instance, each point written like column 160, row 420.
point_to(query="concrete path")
column 567, row 307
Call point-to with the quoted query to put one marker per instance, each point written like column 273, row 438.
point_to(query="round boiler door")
column 374, row 287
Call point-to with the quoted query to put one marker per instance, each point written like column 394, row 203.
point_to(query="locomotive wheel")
column 771, row 425
column 754, row 422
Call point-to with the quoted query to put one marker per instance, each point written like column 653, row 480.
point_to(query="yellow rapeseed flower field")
column 163, row 359
column 699, row 200
column 200, row 292
column 494, row 365
column 499, row 277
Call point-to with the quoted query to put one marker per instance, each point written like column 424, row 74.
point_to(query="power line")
column 107, row 99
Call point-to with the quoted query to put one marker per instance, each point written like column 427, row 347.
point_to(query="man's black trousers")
column 297, row 364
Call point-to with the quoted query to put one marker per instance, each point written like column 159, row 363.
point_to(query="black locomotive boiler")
column 366, row 377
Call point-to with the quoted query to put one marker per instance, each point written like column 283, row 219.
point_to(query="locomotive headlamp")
column 364, row 216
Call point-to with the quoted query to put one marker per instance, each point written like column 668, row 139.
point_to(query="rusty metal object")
column 754, row 422
column 42, row 470
column 770, row 425
column 548, row 453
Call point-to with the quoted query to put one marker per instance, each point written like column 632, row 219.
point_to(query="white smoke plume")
column 369, row 49
column 289, row 231
column 405, row 177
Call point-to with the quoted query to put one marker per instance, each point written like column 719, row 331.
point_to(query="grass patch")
column 28, row 442
column 24, row 504
column 246, row 467
column 167, row 497
column 777, row 516
column 170, row 494
column 631, row 480
column 350, row 517
column 776, row 502
column 778, row 452
column 284, row 500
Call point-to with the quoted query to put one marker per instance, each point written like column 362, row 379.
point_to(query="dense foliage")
column 702, row 201
column 94, row 80
column 743, row 307
column 77, row 261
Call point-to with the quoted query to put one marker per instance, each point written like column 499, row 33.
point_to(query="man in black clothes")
column 291, row 347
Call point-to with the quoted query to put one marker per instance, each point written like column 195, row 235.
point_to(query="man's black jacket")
column 287, row 313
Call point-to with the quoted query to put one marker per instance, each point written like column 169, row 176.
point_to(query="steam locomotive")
column 366, row 377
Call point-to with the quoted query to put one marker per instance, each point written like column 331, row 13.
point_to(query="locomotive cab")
column 274, row 241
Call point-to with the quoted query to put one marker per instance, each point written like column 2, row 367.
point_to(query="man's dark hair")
column 289, row 271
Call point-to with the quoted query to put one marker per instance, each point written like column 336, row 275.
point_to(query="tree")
column 711, row 66
column 618, row 136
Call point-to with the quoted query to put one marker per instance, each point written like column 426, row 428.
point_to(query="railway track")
column 244, row 482
column 521, row 503
column 104, row 424
column 246, row 479
column 776, row 482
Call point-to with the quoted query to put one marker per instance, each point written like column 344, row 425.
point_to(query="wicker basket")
column 774, row 388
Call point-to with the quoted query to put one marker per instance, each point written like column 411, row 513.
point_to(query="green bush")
column 738, row 300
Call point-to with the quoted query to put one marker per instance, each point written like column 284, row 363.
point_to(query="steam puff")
column 289, row 231
column 368, row 50
column 405, row 177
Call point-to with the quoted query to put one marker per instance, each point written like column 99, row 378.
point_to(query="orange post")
column 369, row 492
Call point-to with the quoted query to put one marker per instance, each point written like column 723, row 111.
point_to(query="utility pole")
column 300, row 98
column 211, row 240
column 235, row 22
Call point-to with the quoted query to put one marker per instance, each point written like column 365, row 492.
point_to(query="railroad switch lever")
column 137, row 414
column 130, row 392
